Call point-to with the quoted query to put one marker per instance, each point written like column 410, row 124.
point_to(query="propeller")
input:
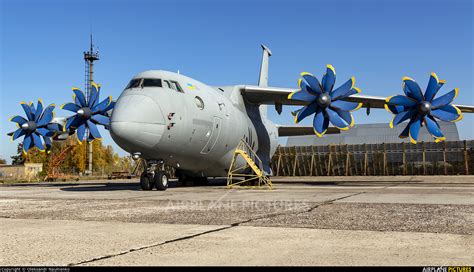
column 422, row 109
column 36, row 127
column 88, row 113
column 326, row 104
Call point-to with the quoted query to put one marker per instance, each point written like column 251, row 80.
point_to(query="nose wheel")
column 146, row 182
column 152, row 177
column 161, row 181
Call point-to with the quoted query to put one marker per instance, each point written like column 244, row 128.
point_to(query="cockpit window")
column 134, row 83
column 152, row 82
column 173, row 85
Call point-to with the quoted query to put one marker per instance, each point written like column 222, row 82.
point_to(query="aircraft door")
column 214, row 135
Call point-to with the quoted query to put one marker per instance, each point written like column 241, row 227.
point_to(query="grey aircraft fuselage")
column 192, row 127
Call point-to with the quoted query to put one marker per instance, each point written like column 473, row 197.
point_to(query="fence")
column 445, row 158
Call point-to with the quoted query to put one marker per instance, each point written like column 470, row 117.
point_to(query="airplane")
column 166, row 118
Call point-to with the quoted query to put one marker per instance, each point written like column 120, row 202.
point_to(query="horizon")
column 211, row 42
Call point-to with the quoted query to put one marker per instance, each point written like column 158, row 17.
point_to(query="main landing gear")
column 154, row 176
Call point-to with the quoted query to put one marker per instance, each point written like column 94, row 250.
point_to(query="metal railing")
column 448, row 158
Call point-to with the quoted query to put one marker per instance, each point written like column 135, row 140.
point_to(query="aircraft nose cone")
column 137, row 123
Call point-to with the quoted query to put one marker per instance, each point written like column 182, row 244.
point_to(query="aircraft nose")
column 137, row 123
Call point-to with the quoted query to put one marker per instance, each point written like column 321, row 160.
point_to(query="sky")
column 218, row 43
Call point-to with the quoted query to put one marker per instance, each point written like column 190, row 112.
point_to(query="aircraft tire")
column 161, row 181
column 146, row 182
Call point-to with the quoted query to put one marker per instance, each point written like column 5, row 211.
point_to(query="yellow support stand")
column 236, row 175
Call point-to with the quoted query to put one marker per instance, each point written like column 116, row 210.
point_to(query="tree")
column 2, row 161
column 19, row 158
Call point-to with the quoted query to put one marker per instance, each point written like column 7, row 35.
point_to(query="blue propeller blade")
column 305, row 112
column 415, row 129
column 313, row 82
column 447, row 113
column 433, row 127
column 93, row 130
column 39, row 110
column 329, row 79
column 81, row 131
column 102, row 106
column 45, row 132
column 80, row 97
column 444, row 99
column 399, row 118
column 406, row 131
column 302, row 95
column 345, row 105
column 336, row 120
column 110, row 106
column 33, row 110
column 343, row 90
column 27, row 110
column 346, row 116
column 432, row 88
column 320, row 123
column 101, row 119
column 47, row 116
column 37, row 141
column 18, row 119
column 395, row 109
column 70, row 107
column 412, row 89
column 18, row 133
column 27, row 143
column 401, row 101
column 94, row 95
column 47, row 142
column 74, row 122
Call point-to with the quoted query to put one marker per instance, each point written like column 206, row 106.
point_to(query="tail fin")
column 263, row 80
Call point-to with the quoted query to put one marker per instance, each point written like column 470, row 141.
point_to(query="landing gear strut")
column 154, row 176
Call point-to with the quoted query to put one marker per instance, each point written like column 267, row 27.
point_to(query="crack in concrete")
column 236, row 224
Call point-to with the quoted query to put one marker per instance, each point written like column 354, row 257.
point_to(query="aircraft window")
column 168, row 84
column 176, row 86
column 134, row 83
column 199, row 102
column 152, row 82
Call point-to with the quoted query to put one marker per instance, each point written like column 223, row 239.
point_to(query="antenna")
column 89, row 58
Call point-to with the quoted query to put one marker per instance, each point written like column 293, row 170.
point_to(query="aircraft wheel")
column 161, row 181
column 146, row 183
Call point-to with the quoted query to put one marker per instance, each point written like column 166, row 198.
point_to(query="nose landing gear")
column 154, row 176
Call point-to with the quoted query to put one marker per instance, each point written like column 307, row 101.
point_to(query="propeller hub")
column 85, row 113
column 424, row 106
column 324, row 100
column 29, row 126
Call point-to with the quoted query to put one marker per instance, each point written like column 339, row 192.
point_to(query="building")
column 27, row 171
column 372, row 134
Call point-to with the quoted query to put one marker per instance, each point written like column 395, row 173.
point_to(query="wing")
column 275, row 95
column 284, row 131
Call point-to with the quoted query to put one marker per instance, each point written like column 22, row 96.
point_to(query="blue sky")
column 217, row 42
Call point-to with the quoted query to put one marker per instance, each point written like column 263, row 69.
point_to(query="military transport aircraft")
column 168, row 118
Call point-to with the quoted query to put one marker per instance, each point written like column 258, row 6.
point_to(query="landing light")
column 136, row 156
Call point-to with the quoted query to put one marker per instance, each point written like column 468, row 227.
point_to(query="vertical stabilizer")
column 263, row 80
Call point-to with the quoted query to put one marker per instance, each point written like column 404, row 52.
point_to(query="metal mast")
column 89, row 58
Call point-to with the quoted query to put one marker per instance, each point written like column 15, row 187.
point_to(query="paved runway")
column 315, row 221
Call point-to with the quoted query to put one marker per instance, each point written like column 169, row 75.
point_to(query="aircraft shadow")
column 129, row 186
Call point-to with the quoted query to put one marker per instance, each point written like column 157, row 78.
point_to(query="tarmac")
column 422, row 221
